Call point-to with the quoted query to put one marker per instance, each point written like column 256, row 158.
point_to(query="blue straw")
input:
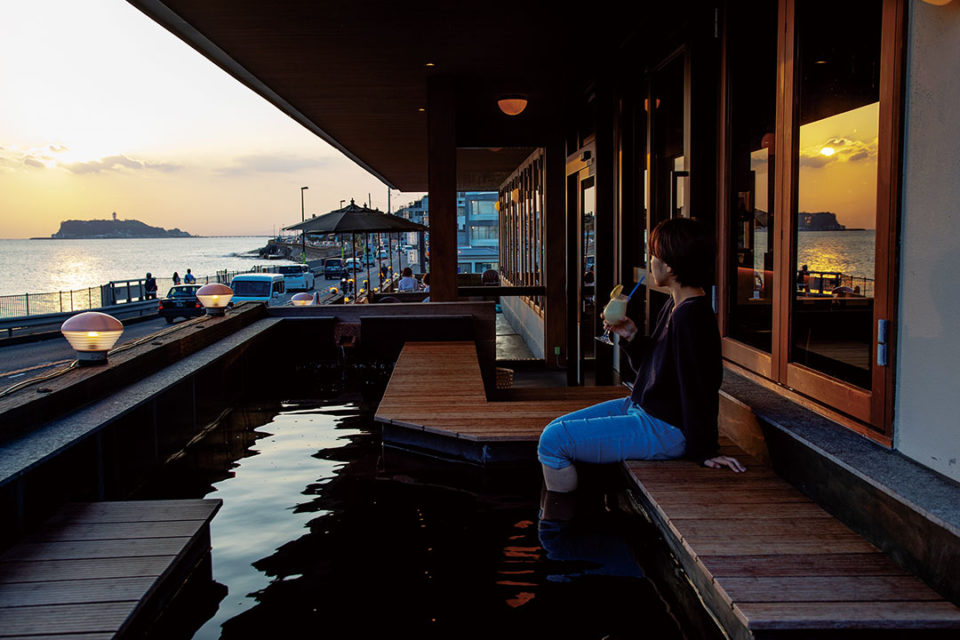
column 637, row 286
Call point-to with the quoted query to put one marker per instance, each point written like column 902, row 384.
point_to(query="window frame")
column 869, row 412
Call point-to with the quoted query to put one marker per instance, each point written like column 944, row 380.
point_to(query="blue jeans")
column 611, row 431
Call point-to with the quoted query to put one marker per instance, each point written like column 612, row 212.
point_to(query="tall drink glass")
column 613, row 313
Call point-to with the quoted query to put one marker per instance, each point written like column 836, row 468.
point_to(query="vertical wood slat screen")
column 521, row 227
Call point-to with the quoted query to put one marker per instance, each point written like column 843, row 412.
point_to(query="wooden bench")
column 435, row 400
column 102, row 569
column 766, row 559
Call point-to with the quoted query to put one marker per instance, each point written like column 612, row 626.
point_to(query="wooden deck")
column 435, row 400
column 98, row 570
column 766, row 559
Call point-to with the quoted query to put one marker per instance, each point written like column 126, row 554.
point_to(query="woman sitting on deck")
column 673, row 409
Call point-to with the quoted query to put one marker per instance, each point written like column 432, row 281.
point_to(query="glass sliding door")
column 835, row 220
column 810, row 194
column 751, row 234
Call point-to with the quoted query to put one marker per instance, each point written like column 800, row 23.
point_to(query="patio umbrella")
column 356, row 219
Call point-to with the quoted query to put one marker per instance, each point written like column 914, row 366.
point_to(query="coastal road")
column 20, row 362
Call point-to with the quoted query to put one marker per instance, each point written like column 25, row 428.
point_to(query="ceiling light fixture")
column 512, row 105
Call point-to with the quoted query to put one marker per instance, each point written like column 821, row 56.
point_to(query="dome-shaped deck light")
column 215, row 297
column 92, row 334
column 302, row 299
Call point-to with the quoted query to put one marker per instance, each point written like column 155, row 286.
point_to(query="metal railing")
column 115, row 292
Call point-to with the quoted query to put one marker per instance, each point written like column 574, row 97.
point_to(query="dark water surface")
column 324, row 533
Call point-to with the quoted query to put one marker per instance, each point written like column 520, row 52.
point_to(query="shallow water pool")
column 323, row 532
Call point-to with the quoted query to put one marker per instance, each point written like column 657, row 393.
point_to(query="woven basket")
column 504, row 378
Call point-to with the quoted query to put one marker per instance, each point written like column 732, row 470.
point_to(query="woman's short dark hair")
column 407, row 272
column 687, row 247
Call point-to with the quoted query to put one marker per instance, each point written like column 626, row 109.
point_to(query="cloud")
column 118, row 162
column 844, row 150
column 273, row 163
column 57, row 148
column 12, row 159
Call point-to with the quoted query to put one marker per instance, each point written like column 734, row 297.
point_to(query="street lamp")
column 303, row 233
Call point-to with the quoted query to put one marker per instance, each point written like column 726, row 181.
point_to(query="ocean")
column 848, row 252
column 41, row 266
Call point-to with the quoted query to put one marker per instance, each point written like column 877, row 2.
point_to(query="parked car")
column 332, row 268
column 180, row 302
column 297, row 277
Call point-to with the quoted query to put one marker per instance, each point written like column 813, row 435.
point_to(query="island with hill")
column 92, row 229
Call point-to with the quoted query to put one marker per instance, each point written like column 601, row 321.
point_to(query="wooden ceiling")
column 356, row 72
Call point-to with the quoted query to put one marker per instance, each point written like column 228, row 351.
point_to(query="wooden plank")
column 136, row 511
column 103, row 617
column 770, row 616
column 84, row 568
column 119, row 530
column 746, row 527
column 829, row 589
column 677, row 496
column 95, row 549
column 775, row 510
column 773, row 545
column 29, row 594
column 815, row 564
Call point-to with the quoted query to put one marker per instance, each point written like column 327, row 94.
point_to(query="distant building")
column 478, row 228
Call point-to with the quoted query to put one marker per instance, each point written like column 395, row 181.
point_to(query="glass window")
column 835, row 219
column 752, row 85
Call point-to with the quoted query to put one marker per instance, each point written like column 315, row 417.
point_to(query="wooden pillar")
column 554, row 241
column 442, row 185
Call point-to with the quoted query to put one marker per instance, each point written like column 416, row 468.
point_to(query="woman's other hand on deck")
column 626, row 328
column 724, row 461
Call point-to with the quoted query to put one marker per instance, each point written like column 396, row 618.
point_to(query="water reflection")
column 322, row 529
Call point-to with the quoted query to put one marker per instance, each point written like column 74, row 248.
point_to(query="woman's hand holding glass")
column 624, row 327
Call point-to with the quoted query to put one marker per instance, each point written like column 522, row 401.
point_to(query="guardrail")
column 52, row 320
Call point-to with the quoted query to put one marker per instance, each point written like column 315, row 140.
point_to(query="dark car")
column 332, row 268
column 181, row 302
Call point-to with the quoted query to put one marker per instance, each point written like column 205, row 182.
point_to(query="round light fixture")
column 92, row 334
column 512, row 105
column 215, row 297
column 302, row 299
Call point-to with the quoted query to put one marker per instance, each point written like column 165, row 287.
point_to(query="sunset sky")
column 103, row 110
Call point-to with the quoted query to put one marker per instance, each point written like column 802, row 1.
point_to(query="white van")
column 257, row 287
column 296, row 276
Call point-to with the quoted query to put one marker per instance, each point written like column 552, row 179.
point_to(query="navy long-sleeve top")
column 679, row 371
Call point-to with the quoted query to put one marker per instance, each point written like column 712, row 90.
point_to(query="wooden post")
column 554, row 240
column 442, row 186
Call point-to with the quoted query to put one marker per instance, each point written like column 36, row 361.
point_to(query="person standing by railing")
column 189, row 278
column 176, row 278
column 150, row 287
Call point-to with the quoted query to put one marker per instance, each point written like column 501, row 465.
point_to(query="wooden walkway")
column 97, row 570
column 766, row 559
column 435, row 400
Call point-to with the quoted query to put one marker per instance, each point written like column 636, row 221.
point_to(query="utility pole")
column 303, row 233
